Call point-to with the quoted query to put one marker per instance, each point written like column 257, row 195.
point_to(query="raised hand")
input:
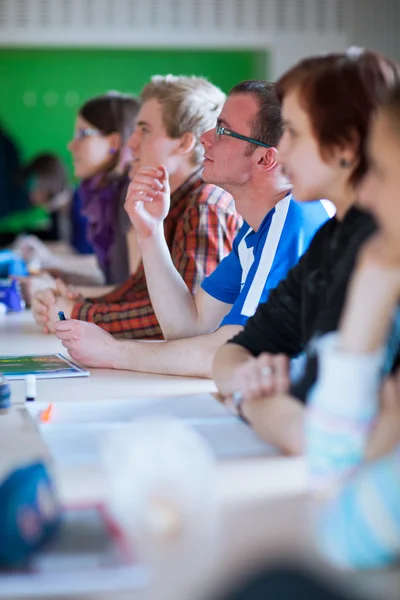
column 148, row 200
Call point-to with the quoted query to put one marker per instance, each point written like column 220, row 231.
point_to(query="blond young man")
column 202, row 221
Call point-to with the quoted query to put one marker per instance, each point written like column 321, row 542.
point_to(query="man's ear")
column 187, row 143
column 267, row 158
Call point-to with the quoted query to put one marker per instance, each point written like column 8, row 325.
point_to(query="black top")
column 309, row 301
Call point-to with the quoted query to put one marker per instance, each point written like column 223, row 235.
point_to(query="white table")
column 20, row 335
column 263, row 508
column 239, row 479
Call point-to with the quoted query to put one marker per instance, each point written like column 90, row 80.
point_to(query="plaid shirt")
column 199, row 229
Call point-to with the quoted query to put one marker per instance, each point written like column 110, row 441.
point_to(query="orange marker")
column 46, row 414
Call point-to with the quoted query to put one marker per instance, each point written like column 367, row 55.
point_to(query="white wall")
column 376, row 24
column 291, row 29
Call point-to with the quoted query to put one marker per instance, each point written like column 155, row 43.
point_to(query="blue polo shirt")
column 260, row 259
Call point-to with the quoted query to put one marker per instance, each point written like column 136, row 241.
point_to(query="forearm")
column 227, row 359
column 368, row 312
column 133, row 320
column 134, row 256
column 279, row 420
column 172, row 301
column 190, row 357
column 76, row 269
column 94, row 291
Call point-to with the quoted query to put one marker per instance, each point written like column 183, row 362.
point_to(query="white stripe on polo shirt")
column 267, row 257
column 246, row 257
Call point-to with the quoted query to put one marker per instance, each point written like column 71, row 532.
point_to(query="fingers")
column 263, row 376
column 143, row 191
column 281, row 374
column 153, row 172
column 65, row 290
column 61, row 288
column 152, row 181
column 67, row 330
column 67, row 344
column 41, row 302
column 71, row 330
column 66, row 325
column 249, row 379
column 134, row 196
column 25, row 284
column 162, row 169
column 260, row 380
column 40, row 309
column 63, row 334
column 146, row 184
column 48, row 296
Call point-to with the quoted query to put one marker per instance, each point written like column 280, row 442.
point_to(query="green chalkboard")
column 41, row 89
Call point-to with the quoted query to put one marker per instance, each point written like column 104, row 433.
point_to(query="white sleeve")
column 342, row 406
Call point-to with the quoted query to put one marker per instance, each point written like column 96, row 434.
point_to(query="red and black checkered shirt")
column 199, row 229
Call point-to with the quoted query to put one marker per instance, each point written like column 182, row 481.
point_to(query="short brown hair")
column 267, row 127
column 189, row 105
column 340, row 93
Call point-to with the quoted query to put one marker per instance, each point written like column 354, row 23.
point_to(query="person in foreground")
column 353, row 431
column 200, row 226
column 352, row 434
column 275, row 233
column 323, row 152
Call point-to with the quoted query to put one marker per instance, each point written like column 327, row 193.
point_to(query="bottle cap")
column 30, row 387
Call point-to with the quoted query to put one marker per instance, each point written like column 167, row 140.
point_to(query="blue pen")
column 61, row 315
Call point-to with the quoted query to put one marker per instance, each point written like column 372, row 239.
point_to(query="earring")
column 344, row 164
column 112, row 151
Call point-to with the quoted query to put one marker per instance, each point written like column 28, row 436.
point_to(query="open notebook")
column 46, row 366
column 74, row 432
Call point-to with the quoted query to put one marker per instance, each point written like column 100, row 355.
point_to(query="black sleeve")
column 276, row 325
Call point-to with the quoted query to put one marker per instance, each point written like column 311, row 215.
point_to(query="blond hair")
column 189, row 105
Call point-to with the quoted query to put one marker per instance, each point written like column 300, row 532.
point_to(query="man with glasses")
column 240, row 156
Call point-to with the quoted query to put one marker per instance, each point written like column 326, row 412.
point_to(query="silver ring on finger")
column 266, row 371
column 140, row 193
column 237, row 399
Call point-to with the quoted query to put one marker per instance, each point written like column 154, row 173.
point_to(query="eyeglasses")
column 224, row 131
column 81, row 134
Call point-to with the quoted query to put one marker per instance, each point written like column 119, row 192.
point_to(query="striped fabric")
column 359, row 522
column 261, row 259
column 199, row 229
column 341, row 409
column 361, row 526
